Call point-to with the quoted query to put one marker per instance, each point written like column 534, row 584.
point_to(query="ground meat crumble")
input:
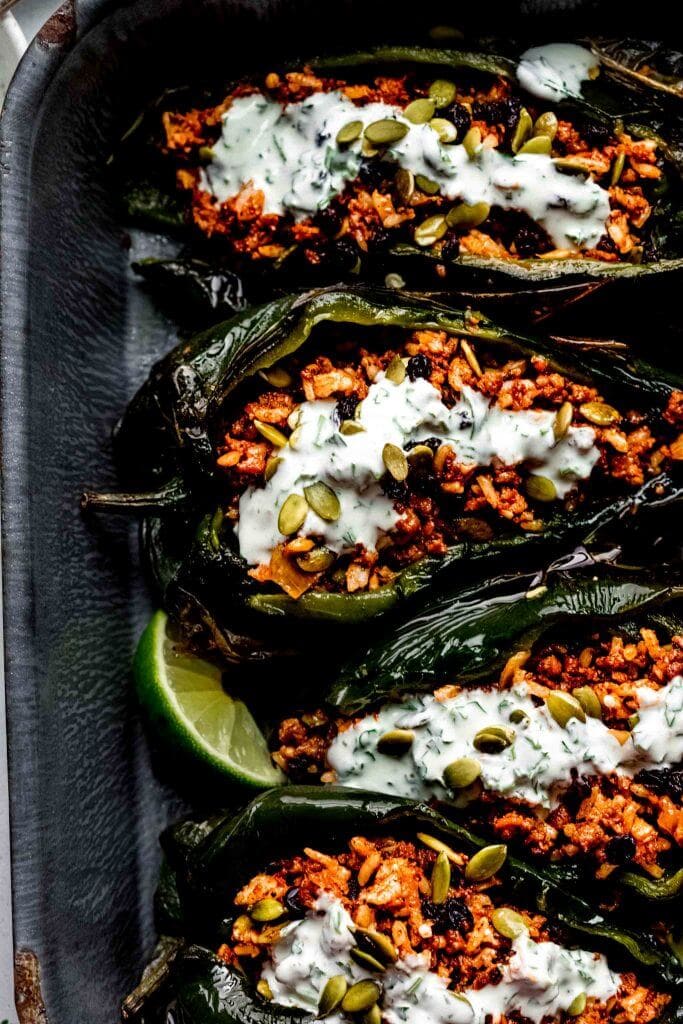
column 374, row 210
column 384, row 884
column 443, row 501
column 609, row 821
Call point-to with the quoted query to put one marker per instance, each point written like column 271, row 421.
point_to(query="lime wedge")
column 186, row 704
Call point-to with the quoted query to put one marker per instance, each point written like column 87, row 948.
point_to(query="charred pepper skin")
column 216, row 858
column 165, row 441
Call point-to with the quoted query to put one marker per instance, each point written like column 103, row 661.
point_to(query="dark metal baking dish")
column 78, row 337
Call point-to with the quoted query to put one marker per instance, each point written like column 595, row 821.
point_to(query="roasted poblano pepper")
column 167, row 441
column 195, row 987
column 603, row 104
column 465, row 635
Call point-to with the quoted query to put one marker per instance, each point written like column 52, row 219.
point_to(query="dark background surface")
column 78, row 336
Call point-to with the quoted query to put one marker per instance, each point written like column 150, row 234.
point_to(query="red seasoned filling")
column 612, row 821
column 381, row 207
column 443, row 499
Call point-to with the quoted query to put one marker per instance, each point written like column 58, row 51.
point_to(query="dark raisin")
column 381, row 239
column 450, row 250
column 295, row 907
column 460, row 116
column 505, row 112
column 373, row 173
column 530, row 240
column 595, row 133
column 330, row 220
column 224, row 930
column 453, row 915
column 432, row 442
column 343, row 254
column 419, row 366
column 397, row 490
column 620, row 849
column 299, row 764
column 345, row 408
column 665, row 781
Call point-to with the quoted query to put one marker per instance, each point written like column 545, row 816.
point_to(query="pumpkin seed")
column 518, row 716
column 271, row 434
column 589, row 701
column 293, row 418
column 474, row 528
column 323, row 501
column 446, row 130
column 206, row 154
column 404, row 181
column 426, row 185
column 471, row 358
column 577, row 164
column 276, row 376
column 472, row 142
column 292, row 514
column 349, row 132
column 461, row 773
column 395, row 461
column 493, row 739
column 508, row 922
column 396, row 742
column 317, row 560
column 546, row 124
column 563, row 420
column 381, row 944
column 617, row 168
column 632, row 721
column 295, row 437
column 464, row 797
column 366, row 960
column 271, row 466
column 577, row 1005
column 264, row 989
column 599, row 413
column 396, row 370
column 441, row 878
column 439, row 846
column 386, row 131
column 538, row 144
column 522, row 130
column 421, row 453
column 266, row 910
column 563, row 707
column 351, row 427
column 361, row 996
column 373, row 1015
column 420, row 111
column 442, row 92
column 367, row 149
column 465, row 216
column 431, row 230
column 541, row 488
column 486, row 862
column 332, row 994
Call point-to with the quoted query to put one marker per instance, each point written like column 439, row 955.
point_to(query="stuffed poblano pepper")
column 351, row 907
column 534, row 165
column 572, row 751
column 330, row 454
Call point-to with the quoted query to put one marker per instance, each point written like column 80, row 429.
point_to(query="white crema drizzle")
column 351, row 464
column 536, row 767
column 540, row 980
column 556, row 71
column 290, row 153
